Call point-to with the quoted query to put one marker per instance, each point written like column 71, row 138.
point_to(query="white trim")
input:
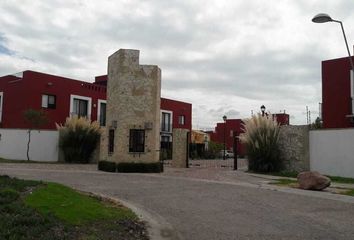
column 89, row 105
column 171, row 123
column 99, row 101
column 1, row 103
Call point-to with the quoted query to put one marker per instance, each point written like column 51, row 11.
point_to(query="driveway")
column 204, row 209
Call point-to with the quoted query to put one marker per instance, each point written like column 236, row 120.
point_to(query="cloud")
column 225, row 57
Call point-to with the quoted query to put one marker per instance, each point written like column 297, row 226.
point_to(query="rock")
column 313, row 181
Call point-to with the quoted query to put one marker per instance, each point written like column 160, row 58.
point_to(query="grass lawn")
column 285, row 182
column 349, row 192
column 37, row 210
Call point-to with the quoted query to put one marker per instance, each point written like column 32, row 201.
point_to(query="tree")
column 317, row 124
column 36, row 119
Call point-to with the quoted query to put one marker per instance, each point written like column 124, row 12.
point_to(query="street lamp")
column 224, row 118
column 323, row 18
column 263, row 108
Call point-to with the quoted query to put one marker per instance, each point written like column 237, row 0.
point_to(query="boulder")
column 313, row 181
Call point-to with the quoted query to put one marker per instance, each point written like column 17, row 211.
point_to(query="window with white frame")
column 101, row 112
column 48, row 101
column 80, row 106
column 181, row 120
column 1, row 101
column 166, row 121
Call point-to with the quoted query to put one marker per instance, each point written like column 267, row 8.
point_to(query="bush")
column 8, row 195
column 261, row 140
column 107, row 166
column 78, row 139
column 213, row 150
column 140, row 167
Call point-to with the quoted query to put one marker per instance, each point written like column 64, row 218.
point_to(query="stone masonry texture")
column 133, row 102
column 179, row 147
column 294, row 147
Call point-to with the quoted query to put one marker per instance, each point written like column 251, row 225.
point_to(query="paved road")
column 200, row 209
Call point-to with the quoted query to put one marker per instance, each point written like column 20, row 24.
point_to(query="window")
column 80, row 106
column 181, row 120
column 48, row 101
column 111, row 141
column 165, row 138
column 136, row 140
column 102, row 112
column 166, row 122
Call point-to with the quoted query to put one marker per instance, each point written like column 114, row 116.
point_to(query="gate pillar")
column 180, row 142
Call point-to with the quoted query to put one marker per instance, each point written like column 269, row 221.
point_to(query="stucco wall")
column 43, row 146
column 332, row 152
column 294, row 147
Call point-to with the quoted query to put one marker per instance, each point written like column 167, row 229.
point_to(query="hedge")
column 107, row 166
column 140, row 167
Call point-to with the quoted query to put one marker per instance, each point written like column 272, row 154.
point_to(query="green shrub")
column 140, row 167
column 78, row 139
column 8, row 195
column 107, row 166
column 213, row 151
column 261, row 139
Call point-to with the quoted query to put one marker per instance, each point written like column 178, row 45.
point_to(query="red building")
column 282, row 118
column 336, row 94
column 234, row 127
column 61, row 97
column 227, row 131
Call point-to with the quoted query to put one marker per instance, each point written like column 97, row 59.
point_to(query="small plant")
column 261, row 136
column 107, row 166
column 78, row 139
column 35, row 119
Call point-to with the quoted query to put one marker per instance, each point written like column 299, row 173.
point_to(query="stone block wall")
column 133, row 103
column 294, row 147
column 179, row 148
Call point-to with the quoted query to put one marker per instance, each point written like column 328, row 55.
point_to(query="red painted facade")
column 20, row 93
column 336, row 100
column 281, row 118
column 233, row 126
column 179, row 109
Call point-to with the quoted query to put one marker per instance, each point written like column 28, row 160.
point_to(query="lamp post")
column 224, row 118
column 263, row 108
column 323, row 18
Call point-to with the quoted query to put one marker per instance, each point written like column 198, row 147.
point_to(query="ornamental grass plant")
column 78, row 139
column 261, row 135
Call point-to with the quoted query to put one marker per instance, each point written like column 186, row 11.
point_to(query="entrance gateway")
column 132, row 134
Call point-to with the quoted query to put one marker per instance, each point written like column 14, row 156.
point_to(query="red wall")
column 27, row 93
column 22, row 94
column 178, row 108
column 336, row 101
column 282, row 118
column 232, row 125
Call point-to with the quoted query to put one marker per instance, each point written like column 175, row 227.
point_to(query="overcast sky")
column 224, row 57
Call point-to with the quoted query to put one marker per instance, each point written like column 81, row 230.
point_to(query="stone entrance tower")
column 133, row 109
